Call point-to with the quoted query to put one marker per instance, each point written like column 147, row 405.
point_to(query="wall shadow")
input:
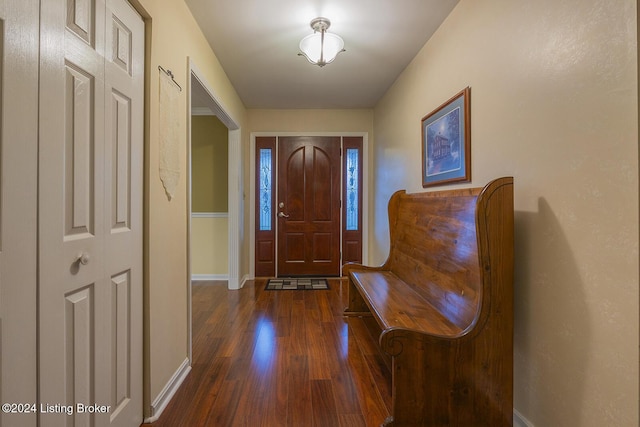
column 552, row 329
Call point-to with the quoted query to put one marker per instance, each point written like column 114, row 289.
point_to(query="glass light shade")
column 311, row 47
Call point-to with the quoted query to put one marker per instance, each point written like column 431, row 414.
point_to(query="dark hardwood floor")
column 279, row 358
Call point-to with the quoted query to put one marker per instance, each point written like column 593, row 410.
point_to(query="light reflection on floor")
column 265, row 346
column 344, row 341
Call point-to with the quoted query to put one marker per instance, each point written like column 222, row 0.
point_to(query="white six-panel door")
column 90, row 212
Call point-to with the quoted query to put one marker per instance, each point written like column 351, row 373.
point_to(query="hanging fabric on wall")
column 169, row 130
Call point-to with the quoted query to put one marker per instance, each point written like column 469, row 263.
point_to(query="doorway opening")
column 209, row 196
column 215, row 214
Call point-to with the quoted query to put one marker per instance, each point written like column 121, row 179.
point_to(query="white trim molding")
column 245, row 279
column 208, row 277
column 209, row 214
column 162, row 400
column 236, row 200
column 520, row 421
column 201, row 111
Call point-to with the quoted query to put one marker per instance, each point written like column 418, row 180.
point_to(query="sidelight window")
column 265, row 189
column 265, row 226
column 352, row 188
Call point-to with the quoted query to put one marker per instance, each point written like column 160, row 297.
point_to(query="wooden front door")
column 308, row 206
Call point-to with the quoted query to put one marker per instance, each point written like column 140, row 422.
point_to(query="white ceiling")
column 256, row 41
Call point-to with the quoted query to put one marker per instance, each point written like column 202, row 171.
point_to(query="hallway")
column 278, row 358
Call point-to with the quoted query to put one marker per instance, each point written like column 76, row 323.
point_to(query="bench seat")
column 395, row 304
column 443, row 306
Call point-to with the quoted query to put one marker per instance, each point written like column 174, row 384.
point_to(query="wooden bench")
column 443, row 305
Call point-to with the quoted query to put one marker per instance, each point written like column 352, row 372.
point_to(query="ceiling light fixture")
column 321, row 48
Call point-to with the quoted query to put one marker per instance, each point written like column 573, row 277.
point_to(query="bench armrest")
column 350, row 266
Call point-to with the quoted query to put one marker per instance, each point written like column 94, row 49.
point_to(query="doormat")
column 299, row 284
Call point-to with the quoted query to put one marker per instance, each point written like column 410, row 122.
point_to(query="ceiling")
column 256, row 41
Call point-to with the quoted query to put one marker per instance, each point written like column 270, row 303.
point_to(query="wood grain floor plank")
column 224, row 409
column 372, row 403
column 351, row 420
column 323, row 404
column 341, row 375
column 208, row 391
column 298, row 324
column 279, row 402
column 299, row 410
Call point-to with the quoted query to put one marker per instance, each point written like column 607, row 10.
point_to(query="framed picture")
column 446, row 142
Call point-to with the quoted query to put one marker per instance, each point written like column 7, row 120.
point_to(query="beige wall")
column 173, row 37
column 356, row 120
column 209, row 164
column 210, row 246
column 554, row 104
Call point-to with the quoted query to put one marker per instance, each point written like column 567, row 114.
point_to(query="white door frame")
column 19, row 86
column 234, row 190
column 365, row 190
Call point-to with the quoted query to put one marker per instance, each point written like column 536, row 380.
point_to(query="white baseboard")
column 245, row 279
column 520, row 421
column 202, row 277
column 162, row 400
column 210, row 277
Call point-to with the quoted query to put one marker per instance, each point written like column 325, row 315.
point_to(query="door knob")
column 283, row 215
column 83, row 258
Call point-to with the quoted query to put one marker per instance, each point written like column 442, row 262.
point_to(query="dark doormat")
column 303, row 283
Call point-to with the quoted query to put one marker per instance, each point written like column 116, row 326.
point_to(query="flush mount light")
column 321, row 48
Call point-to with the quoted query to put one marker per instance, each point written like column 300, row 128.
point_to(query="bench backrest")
column 445, row 244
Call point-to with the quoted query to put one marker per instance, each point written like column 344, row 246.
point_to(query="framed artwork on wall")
column 446, row 142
